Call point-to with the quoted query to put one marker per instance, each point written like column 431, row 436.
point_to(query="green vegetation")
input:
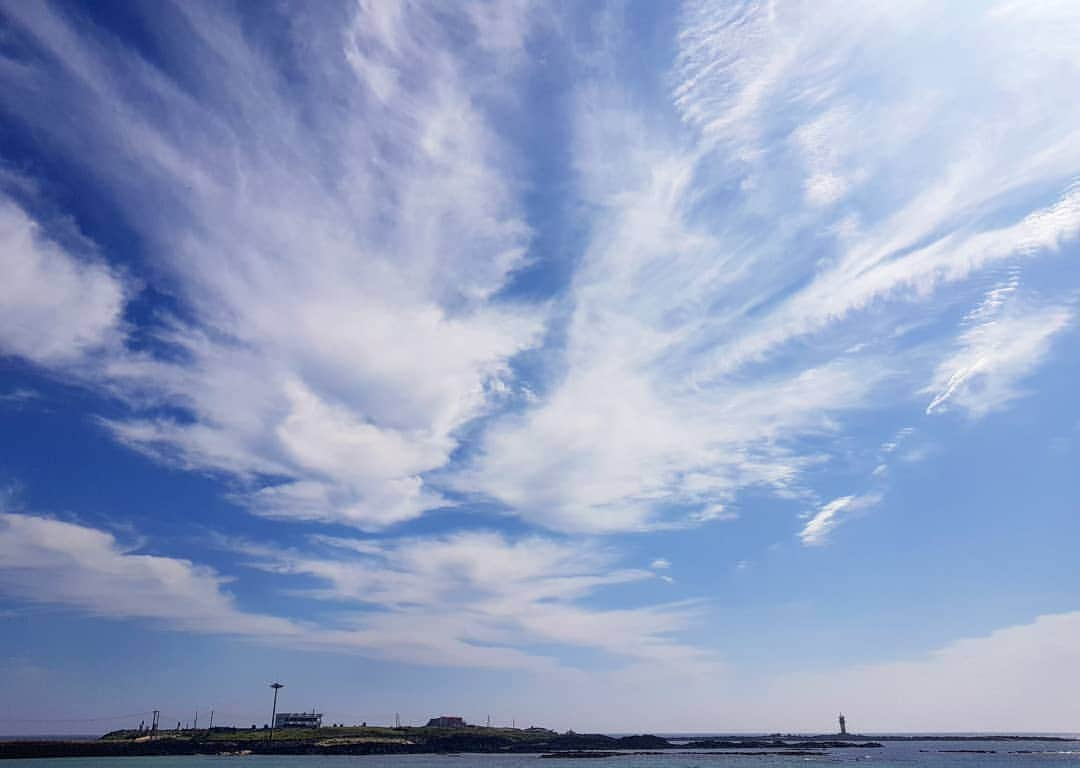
column 349, row 734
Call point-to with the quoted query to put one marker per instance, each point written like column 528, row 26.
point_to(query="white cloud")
column 820, row 142
column 340, row 254
column 1004, row 342
column 19, row 395
column 54, row 307
column 636, row 434
column 1015, row 679
column 889, row 446
column 660, row 562
column 710, row 334
column 337, row 253
column 610, row 447
column 818, row 528
column 51, row 561
column 474, row 598
column 1019, row 678
column 747, row 72
column 471, row 599
column 855, row 286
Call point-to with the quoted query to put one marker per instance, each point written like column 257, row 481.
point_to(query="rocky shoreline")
column 553, row 745
column 372, row 741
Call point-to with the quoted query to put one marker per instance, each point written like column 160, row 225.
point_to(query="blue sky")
column 607, row 366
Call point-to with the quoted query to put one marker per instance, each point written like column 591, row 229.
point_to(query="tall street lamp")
column 273, row 715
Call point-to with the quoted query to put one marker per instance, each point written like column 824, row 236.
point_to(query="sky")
column 614, row 366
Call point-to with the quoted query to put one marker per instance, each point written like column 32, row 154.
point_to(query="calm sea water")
column 893, row 755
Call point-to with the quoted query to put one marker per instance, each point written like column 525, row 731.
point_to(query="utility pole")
column 277, row 687
column 211, row 720
column 196, row 721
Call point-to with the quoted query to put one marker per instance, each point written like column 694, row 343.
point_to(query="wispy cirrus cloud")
column 337, row 251
column 835, row 513
column 50, row 561
column 19, row 395
column 55, row 307
column 83, row 568
column 1003, row 342
column 472, row 599
column 750, row 70
column 343, row 333
column 752, row 241
column 720, row 325
column 481, row 595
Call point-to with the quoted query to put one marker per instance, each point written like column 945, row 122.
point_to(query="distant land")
column 365, row 740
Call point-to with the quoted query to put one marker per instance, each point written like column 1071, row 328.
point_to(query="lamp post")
column 273, row 715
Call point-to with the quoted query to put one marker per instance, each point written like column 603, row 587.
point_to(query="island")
column 440, row 739
column 375, row 740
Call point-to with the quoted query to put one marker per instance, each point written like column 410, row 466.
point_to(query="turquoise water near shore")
column 908, row 754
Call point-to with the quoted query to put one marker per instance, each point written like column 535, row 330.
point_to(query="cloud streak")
column 470, row 599
column 830, row 516
column 1003, row 342
column 717, row 325
column 51, row 561
column 340, row 317
column 359, row 282
column 55, row 307
column 344, row 256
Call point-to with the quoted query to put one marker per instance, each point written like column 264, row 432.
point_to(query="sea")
column 894, row 754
